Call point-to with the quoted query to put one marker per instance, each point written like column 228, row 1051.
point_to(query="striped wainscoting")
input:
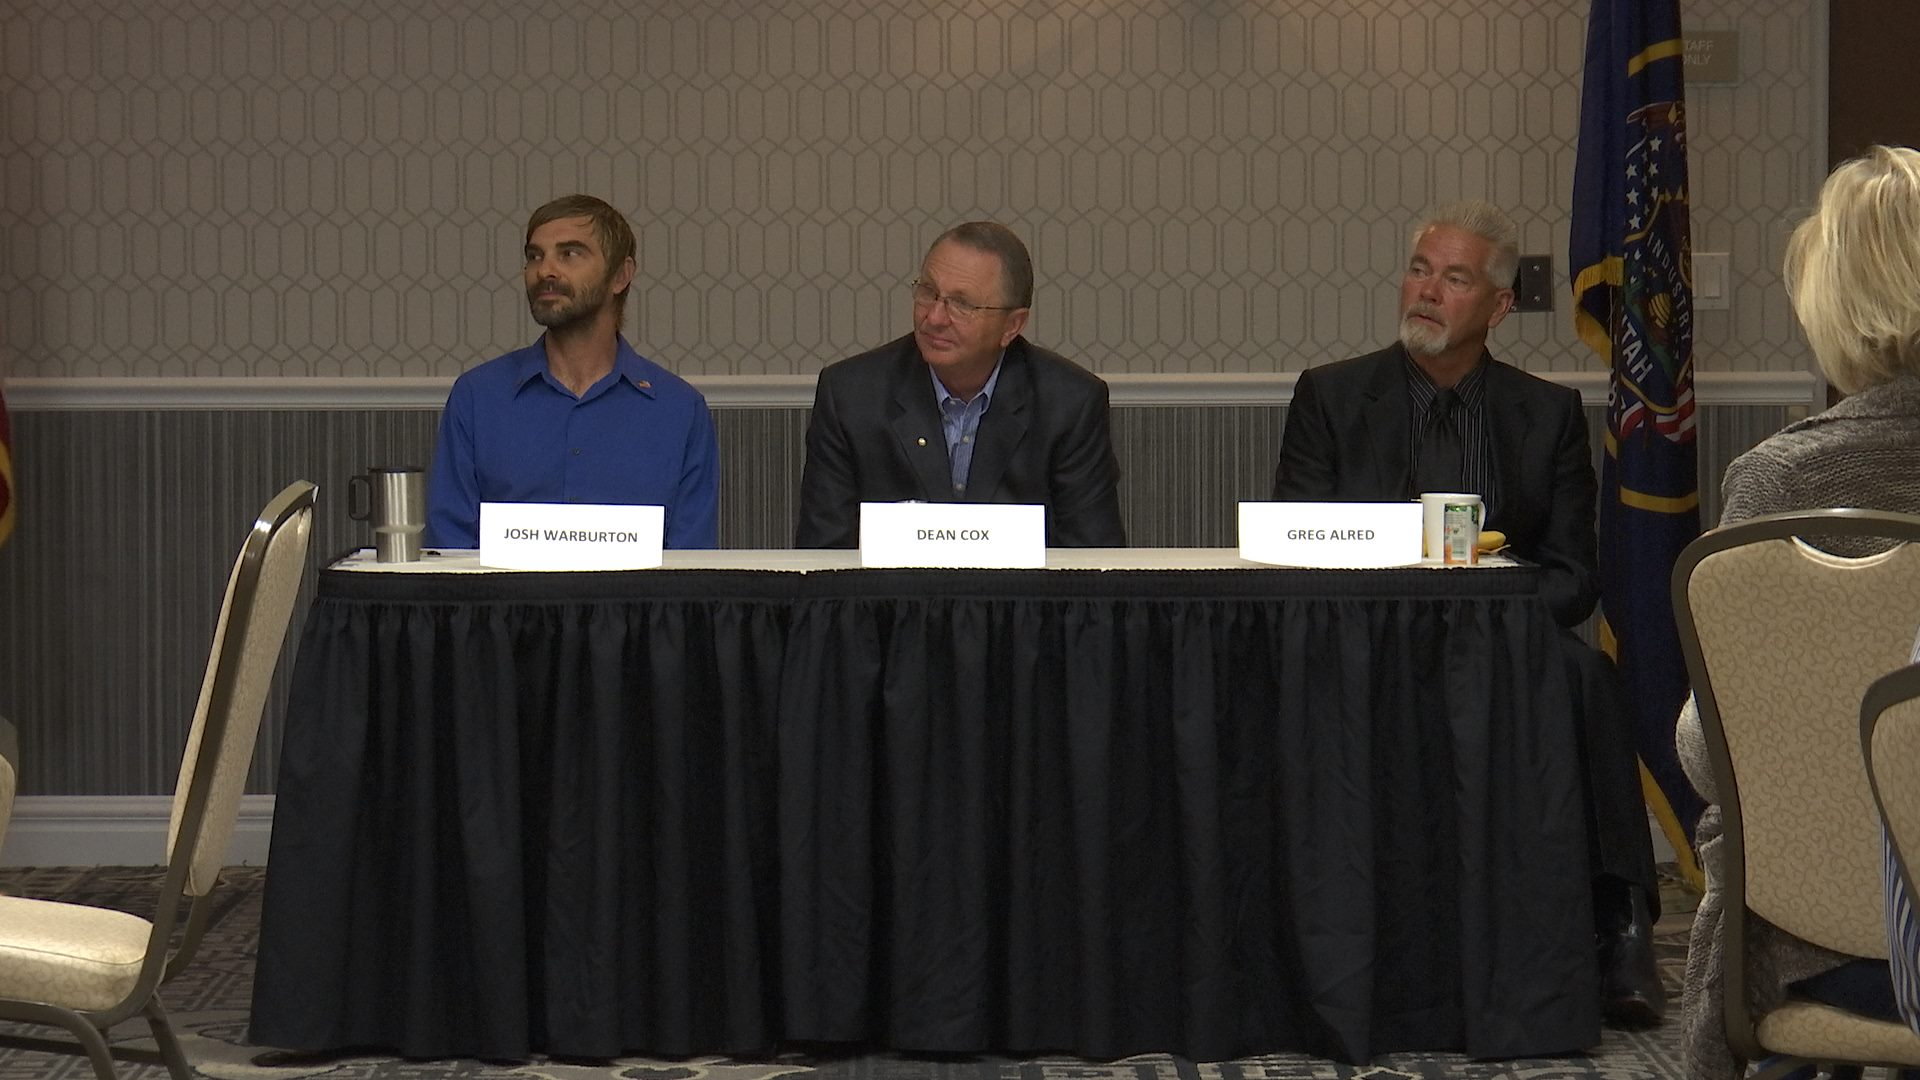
column 129, row 517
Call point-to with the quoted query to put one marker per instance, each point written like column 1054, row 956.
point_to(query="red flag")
column 6, row 474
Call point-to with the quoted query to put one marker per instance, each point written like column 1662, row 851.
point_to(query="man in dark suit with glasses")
column 963, row 409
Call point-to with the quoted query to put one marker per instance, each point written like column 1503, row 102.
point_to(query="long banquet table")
column 1137, row 801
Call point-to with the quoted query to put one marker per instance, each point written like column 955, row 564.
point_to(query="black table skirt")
column 1205, row 812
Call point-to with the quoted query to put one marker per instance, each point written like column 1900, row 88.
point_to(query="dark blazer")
column 875, row 436
column 1347, row 441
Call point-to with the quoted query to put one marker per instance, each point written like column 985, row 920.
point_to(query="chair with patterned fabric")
column 1890, row 746
column 9, row 774
column 86, row 969
column 1781, row 640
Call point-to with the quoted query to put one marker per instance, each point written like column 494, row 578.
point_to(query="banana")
column 1492, row 541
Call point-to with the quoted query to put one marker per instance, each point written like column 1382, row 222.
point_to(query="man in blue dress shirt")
column 577, row 416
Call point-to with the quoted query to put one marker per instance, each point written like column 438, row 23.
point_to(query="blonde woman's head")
column 1853, row 270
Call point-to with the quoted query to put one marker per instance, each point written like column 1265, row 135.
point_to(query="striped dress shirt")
column 1903, row 930
column 1476, row 445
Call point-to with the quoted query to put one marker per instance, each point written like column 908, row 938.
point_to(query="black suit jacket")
column 875, row 436
column 1347, row 441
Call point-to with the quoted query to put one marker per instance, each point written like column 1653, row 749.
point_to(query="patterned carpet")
column 209, row 1006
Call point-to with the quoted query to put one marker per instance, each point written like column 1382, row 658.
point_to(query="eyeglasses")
column 924, row 296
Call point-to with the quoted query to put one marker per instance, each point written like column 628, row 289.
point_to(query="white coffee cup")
column 1433, row 512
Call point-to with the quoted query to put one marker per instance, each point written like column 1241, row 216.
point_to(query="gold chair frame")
column 223, row 729
column 1757, row 1037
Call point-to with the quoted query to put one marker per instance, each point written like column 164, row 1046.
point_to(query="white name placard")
column 1333, row 536
column 991, row 535
column 570, row 536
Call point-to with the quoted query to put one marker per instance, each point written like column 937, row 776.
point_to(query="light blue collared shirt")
column 960, row 423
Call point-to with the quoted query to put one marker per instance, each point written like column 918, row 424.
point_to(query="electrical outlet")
column 1533, row 285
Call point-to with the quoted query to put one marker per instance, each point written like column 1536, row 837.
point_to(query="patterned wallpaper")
column 221, row 187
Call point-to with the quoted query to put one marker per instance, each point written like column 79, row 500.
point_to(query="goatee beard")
column 561, row 316
column 1422, row 340
column 573, row 309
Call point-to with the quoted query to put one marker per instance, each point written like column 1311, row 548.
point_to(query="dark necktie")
column 1440, row 465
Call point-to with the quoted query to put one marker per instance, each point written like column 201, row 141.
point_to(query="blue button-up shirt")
column 960, row 423
column 511, row 432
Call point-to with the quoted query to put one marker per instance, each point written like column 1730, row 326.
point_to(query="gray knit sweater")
column 1864, row 452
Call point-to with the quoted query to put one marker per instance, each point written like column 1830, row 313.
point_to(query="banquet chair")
column 9, row 774
column 87, row 969
column 1781, row 641
column 1890, row 746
